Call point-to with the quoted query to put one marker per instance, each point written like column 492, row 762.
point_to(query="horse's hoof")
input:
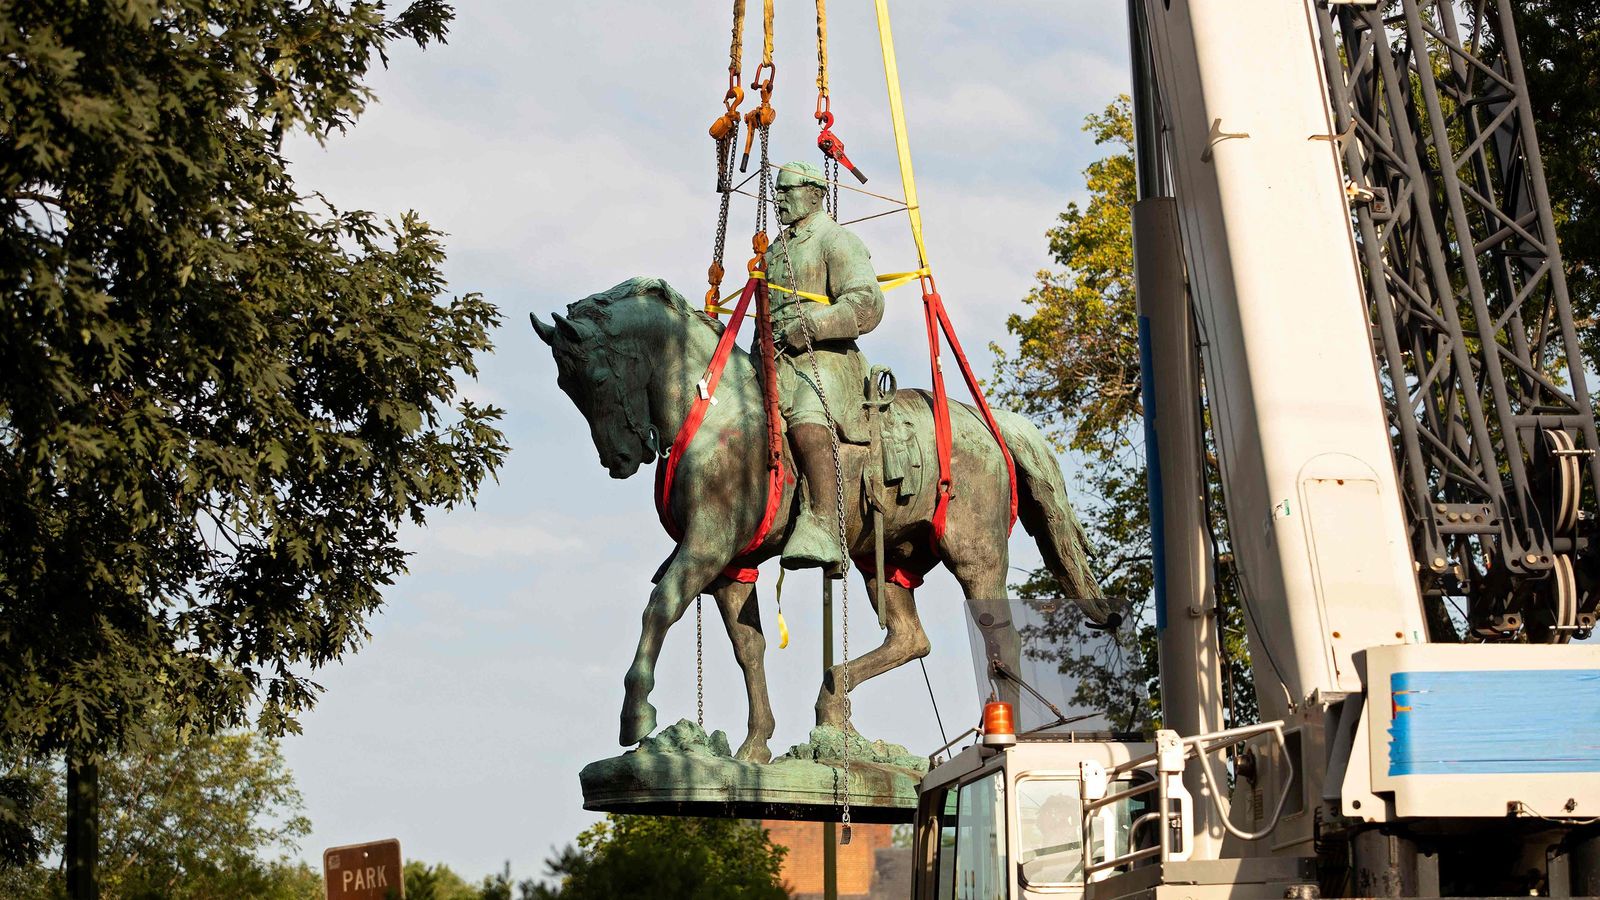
column 637, row 728
column 754, row 751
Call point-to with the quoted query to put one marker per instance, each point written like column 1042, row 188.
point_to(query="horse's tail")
column 1047, row 515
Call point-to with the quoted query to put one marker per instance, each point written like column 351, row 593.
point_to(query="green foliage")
column 425, row 882
column 669, row 858
column 181, row 817
column 219, row 398
column 439, row 882
column 1560, row 42
column 1076, row 374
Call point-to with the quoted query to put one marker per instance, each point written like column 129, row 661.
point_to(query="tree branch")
column 37, row 197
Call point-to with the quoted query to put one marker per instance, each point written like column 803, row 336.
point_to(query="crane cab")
column 1009, row 822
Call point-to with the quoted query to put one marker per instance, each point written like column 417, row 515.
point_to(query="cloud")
column 494, row 539
column 563, row 148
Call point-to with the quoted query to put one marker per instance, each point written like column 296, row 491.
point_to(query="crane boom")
column 1348, row 278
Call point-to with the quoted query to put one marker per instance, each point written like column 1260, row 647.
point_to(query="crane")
column 1345, row 248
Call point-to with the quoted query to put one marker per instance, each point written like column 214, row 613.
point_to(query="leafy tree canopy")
column 1076, row 374
column 219, row 397
column 671, row 858
column 440, row 882
column 1560, row 42
column 181, row 817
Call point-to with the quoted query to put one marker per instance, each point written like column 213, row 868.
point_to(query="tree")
column 670, row 858
column 1076, row 374
column 1560, row 41
column 219, row 397
column 183, row 816
column 440, row 882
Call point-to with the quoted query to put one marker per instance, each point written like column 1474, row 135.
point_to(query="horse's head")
column 604, row 364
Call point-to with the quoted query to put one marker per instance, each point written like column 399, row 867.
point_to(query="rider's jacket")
column 818, row 256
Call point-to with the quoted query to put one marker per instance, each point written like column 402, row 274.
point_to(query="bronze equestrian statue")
column 816, row 256
column 632, row 358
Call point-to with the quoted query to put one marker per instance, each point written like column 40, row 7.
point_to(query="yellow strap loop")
column 892, row 280
column 817, row 298
column 887, row 281
column 783, row 627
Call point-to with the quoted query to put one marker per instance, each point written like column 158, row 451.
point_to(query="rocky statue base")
column 684, row 772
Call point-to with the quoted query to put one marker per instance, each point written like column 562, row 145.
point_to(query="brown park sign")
column 364, row 871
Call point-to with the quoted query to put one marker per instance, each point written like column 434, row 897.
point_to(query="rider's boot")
column 814, row 541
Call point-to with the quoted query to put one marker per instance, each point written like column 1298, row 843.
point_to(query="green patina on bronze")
column 631, row 359
column 684, row 771
column 820, row 368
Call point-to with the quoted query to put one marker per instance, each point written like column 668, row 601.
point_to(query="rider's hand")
column 793, row 333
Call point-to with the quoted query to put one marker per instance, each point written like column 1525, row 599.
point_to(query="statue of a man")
column 816, row 256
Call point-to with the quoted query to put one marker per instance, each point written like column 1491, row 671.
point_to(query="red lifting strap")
column 777, row 476
column 937, row 321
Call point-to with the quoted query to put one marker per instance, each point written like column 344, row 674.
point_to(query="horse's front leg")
column 686, row 575
column 742, row 616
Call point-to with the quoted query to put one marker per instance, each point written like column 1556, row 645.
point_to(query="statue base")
column 684, row 772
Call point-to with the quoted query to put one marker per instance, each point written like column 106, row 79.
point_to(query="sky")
column 564, row 149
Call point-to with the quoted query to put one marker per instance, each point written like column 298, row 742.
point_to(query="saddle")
column 892, row 439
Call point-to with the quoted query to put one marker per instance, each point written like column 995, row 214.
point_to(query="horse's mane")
column 597, row 308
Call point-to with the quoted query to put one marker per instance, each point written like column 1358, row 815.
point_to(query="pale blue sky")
column 563, row 149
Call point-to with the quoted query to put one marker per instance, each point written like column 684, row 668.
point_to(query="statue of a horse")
column 631, row 357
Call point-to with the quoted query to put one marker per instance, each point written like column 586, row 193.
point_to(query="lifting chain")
column 761, row 117
column 764, row 198
column 724, row 132
column 844, row 552
column 830, row 174
column 719, row 243
column 760, row 120
column 699, row 668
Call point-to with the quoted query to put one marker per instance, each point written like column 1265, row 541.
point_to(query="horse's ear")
column 567, row 328
column 547, row 333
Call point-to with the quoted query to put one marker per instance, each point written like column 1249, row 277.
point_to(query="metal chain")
column 699, row 669
column 844, row 551
column 725, row 150
column 830, row 174
column 764, row 186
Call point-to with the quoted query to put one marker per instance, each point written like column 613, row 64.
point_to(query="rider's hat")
column 797, row 173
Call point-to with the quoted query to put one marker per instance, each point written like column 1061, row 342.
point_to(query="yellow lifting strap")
column 902, row 145
column 822, row 50
column 736, row 49
column 887, row 281
column 766, row 34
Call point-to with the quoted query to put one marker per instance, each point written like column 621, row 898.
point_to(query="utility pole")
column 830, row 836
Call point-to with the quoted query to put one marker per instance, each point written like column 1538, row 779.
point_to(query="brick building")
column 870, row 866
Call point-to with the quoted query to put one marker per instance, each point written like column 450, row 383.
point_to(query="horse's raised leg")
column 904, row 642
column 742, row 616
column 686, row 575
